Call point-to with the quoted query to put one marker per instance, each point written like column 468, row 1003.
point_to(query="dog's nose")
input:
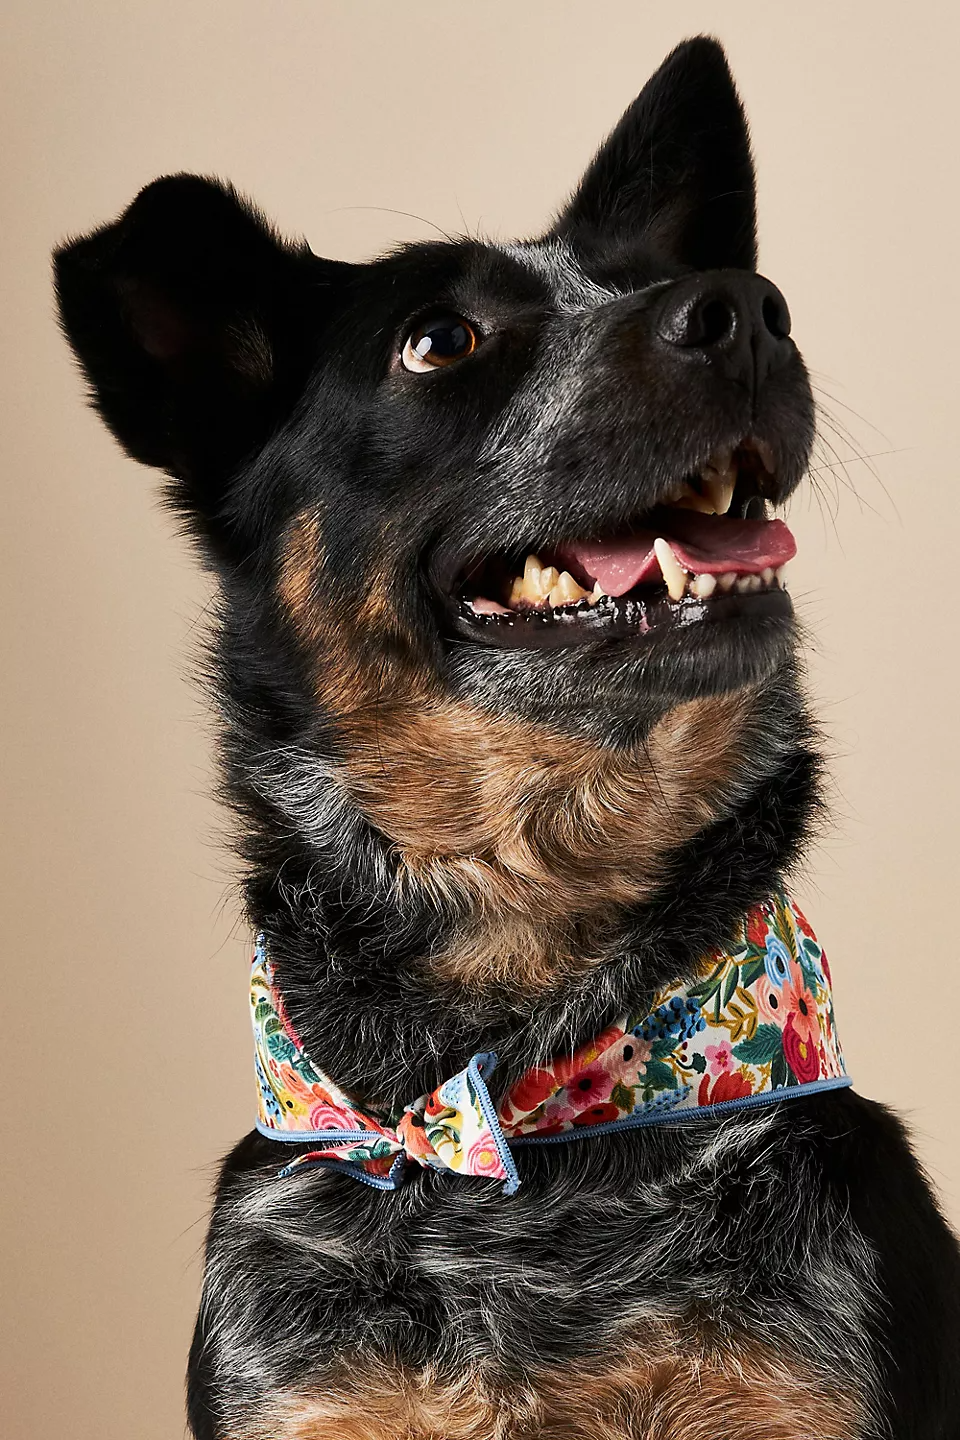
column 736, row 320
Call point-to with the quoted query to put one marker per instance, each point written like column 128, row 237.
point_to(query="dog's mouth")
column 705, row 550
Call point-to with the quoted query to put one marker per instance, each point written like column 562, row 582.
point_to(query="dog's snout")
column 736, row 320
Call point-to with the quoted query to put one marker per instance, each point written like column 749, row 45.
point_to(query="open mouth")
column 705, row 550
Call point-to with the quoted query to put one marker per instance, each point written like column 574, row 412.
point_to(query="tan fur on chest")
column 643, row 1393
column 534, row 835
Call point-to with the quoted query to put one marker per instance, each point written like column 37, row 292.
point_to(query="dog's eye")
column 441, row 340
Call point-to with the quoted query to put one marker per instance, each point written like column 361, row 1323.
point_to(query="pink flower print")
column 555, row 1114
column 483, row 1158
column 591, row 1087
column 720, row 1058
column 801, row 1007
column 323, row 1116
column 770, row 1002
column 626, row 1061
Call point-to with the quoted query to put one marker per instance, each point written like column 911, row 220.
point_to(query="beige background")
column 125, row 1046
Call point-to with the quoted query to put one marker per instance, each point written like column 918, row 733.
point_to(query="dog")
column 514, row 729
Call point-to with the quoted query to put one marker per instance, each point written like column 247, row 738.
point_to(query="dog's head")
column 504, row 623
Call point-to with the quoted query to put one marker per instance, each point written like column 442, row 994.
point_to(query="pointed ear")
column 676, row 173
column 196, row 327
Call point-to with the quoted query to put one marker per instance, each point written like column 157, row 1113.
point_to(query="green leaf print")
column 658, row 1076
column 779, row 1071
column 751, row 972
column 623, row 1097
column 730, row 985
column 765, row 1045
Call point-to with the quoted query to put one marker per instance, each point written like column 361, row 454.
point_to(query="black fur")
column 265, row 382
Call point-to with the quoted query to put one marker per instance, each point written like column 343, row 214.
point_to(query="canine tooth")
column 596, row 594
column 671, row 569
column 532, row 571
column 727, row 580
column 765, row 451
column 517, row 591
column 720, row 490
column 703, row 586
column 780, row 574
column 566, row 590
column 767, row 575
column 690, row 500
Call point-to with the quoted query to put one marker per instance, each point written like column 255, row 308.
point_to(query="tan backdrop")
column 125, row 1039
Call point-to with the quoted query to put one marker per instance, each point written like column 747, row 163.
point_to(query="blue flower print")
column 776, row 961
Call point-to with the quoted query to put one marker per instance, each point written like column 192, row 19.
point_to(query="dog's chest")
column 624, row 1292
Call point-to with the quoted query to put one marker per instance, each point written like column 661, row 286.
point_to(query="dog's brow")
column 572, row 289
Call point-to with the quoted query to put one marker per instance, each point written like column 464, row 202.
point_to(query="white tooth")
column 703, row 586
column 767, row 575
column 755, row 583
column 720, row 490
column 743, row 584
column 671, row 569
column 566, row 590
column 532, row 571
column 780, row 574
column 517, row 591
column 727, row 580
column 597, row 594
column 549, row 576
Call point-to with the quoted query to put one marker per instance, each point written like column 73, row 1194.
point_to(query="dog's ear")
column 676, row 172
column 197, row 328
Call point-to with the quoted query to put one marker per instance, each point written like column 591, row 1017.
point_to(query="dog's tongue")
column 703, row 544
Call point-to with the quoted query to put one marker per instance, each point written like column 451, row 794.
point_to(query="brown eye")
column 441, row 340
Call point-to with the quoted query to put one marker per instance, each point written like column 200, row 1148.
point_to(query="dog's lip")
column 637, row 621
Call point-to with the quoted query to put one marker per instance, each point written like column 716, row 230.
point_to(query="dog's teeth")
column 703, row 586
column 719, row 489
column 671, row 569
column 549, row 576
column 517, row 591
column 765, row 452
column 597, row 594
column 767, row 575
column 566, row 590
column 780, row 574
column 530, row 584
column 743, row 584
column 689, row 499
column 727, row 580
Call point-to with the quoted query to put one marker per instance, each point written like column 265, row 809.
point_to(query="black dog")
column 485, row 806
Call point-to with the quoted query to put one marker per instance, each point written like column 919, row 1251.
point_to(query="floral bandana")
column 758, row 1027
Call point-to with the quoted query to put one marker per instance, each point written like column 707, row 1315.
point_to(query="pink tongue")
column 703, row 544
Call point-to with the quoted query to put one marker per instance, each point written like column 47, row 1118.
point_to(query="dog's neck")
column 359, row 984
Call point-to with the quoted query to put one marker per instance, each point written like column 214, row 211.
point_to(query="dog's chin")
column 617, row 687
